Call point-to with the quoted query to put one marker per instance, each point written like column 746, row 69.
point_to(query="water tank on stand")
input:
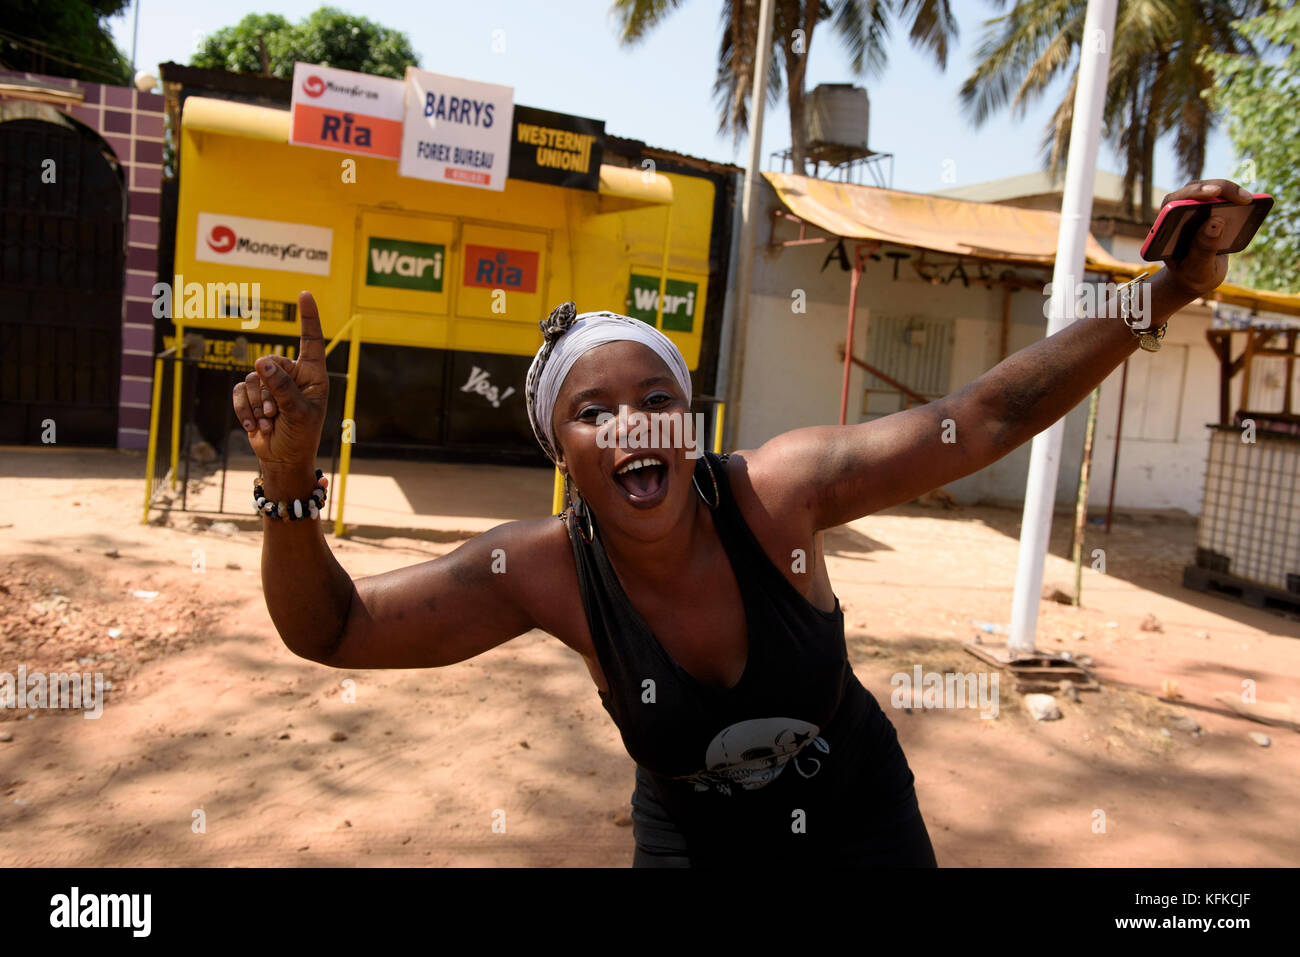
column 835, row 121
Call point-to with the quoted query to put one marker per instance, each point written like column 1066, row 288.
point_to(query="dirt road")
column 218, row 747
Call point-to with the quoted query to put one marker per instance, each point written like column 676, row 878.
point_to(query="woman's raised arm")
column 834, row 474
column 426, row 615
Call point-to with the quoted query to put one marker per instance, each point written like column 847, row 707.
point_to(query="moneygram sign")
column 264, row 244
column 401, row 264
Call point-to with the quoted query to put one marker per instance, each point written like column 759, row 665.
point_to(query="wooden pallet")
column 1241, row 589
column 1041, row 671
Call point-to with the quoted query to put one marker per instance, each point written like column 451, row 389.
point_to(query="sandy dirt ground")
column 219, row 747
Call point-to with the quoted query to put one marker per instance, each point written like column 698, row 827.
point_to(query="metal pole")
column 135, row 37
column 1081, row 502
column 349, row 413
column 745, row 267
column 1119, row 434
column 848, row 336
column 1076, row 211
column 729, row 306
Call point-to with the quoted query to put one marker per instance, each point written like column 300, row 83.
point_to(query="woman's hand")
column 282, row 403
column 1204, row 267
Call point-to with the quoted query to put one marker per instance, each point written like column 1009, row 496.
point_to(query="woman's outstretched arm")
column 834, row 474
column 422, row 616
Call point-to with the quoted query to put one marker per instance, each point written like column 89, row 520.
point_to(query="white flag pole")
column 745, row 267
column 1076, row 214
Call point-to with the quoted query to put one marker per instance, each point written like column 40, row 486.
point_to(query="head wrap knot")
column 558, row 322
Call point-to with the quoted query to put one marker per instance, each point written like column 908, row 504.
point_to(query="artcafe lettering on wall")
column 448, row 282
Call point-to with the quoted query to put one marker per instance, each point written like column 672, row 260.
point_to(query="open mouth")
column 643, row 478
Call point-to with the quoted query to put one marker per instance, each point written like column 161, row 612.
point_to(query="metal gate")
column 61, row 271
column 912, row 350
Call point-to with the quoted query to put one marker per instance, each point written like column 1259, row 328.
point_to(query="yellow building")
column 443, row 284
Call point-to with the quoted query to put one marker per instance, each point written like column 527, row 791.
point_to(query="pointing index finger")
column 311, row 345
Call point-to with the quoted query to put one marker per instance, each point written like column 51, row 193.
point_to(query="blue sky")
column 564, row 55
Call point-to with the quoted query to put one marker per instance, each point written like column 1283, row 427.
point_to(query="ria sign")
column 345, row 111
column 264, row 244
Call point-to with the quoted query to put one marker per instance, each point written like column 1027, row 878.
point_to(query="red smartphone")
column 1176, row 227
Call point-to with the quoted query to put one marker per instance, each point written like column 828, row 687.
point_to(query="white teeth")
column 639, row 463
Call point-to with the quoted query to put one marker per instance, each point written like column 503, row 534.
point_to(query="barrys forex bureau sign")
column 456, row 130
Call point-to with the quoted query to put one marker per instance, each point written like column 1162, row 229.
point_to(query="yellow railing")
column 153, row 436
column 348, row 425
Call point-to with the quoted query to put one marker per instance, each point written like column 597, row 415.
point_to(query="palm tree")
column 1157, row 83
column 863, row 25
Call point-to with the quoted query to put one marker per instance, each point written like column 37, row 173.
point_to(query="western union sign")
column 556, row 148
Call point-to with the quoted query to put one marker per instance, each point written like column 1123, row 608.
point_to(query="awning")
column 622, row 188
column 965, row 228
column 235, row 119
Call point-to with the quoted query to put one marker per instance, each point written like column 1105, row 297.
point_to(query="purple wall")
column 131, row 123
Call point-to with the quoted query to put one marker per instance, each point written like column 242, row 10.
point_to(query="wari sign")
column 456, row 131
column 346, row 111
column 263, row 244
column 556, row 148
column 679, row 301
column 400, row 264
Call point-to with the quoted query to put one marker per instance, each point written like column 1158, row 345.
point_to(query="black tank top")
column 736, row 767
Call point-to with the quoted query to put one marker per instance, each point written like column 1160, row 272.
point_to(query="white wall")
column 792, row 373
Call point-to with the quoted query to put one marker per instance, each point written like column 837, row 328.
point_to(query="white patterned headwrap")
column 568, row 336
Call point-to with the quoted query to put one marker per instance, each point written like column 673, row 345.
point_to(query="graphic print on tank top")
column 753, row 753
column 729, row 741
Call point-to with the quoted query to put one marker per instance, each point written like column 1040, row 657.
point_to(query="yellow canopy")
column 966, row 228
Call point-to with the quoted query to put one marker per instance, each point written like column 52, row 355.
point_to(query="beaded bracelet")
column 296, row 509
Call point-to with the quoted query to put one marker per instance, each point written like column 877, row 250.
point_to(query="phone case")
column 1174, row 229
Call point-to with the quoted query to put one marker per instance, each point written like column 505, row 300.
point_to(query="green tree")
column 1156, row 85
column 63, row 38
column 862, row 25
column 1262, row 101
column 270, row 44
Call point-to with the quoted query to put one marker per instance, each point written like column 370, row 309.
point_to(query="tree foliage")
column 862, row 25
column 63, row 38
column 328, row 36
column 1261, row 98
column 1156, row 85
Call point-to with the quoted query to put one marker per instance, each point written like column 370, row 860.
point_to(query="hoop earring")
column 717, row 496
column 591, row 528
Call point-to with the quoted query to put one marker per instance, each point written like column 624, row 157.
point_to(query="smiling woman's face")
column 630, row 378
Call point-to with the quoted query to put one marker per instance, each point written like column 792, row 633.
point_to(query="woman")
column 693, row 587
